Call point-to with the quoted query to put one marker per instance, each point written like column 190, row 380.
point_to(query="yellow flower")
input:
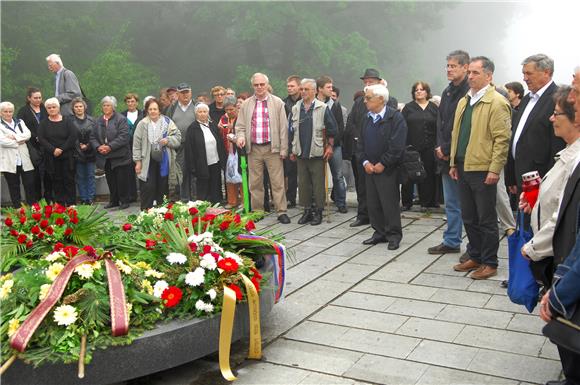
column 96, row 265
column 146, row 285
column 65, row 315
column 143, row 265
column 54, row 270
column 44, row 289
column 123, row 266
column 153, row 273
column 5, row 277
column 13, row 325
column 6, row 288
column 85, row 270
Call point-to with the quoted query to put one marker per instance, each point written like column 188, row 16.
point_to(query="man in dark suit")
column 533, row 144
column 381, row 147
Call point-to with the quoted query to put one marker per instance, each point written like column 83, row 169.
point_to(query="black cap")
column 371, row 73
column 183, row 87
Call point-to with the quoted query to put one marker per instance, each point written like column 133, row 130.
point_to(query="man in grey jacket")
column 66, row 83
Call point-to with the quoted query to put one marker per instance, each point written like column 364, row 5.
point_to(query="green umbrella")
column 245, row 187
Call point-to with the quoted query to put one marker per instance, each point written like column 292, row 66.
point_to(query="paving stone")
column 457, row 297
column 320, row 292
column 438, row 280
column 402, row 272
column 373, row 257
column 386, row 371
column 526, row 323
column 436, row 375
column 322, row 240
column 326, row 379
column 549, row 350
column 348, row 272
column 415, row 308
column 444, row 265
column 430, row 329
column 302, row 252
column 486, row 286
column 309, row 356
column 258, row 373
column 315, row 332
column 443, row 354
column 395, row 289
column 504, row 340
column 309, row 270
column 358, row 318
column 502, row 302
column 509, row 365
column 343, row 232
column 346, row 249
column 474, row 316
column 383, row 344
column 282, row 318
column 364, row 301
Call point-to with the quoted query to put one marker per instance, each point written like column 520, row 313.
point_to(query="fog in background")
column 118, row 47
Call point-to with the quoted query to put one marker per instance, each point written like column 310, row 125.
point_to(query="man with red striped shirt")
column 262, row 128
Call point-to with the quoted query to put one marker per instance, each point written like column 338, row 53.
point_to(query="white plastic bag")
column 232, row 174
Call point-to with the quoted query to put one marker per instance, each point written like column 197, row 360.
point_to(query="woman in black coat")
column 85, row 153
column 58, row 136
column 421, row 118
column 134, row 116
column 205, row 155
column 111, row 140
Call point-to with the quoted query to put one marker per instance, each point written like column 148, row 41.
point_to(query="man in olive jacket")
column 479, row 145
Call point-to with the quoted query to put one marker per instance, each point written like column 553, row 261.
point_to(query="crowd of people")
column 475, row 141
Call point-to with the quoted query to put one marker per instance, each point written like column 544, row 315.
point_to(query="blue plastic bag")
column 522, row 286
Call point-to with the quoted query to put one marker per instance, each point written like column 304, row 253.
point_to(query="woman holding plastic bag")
column 233, row 178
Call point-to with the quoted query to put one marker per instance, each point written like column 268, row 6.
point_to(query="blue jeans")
column 452, row 235
column 86, row 181
column 338, row 182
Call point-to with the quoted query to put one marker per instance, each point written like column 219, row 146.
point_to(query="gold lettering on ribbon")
column 255, row 350
column 226, row 326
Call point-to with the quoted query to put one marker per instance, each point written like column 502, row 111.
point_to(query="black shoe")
column 442, row 248
column 291, row 204
column 406, row 207
column 316, row 217
column 283, row 218
column 393, row 245
column 306, row 217
column 343, row 209
column 359, row 222
column 374, row 241
column 111, row 205
column 124, row 206
column 503, row 284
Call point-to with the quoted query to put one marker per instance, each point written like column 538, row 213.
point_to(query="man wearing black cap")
column 354, row 123
column 183, row 114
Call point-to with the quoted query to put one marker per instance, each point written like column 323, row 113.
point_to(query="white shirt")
column 478, row 95
column 526, row 113
column 211, row 151
column 132, row 116
column 184, row 108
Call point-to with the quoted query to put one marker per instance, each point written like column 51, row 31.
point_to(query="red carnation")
column 43, row 223
column 208, row 217
column 228, row 264
column 14, row 233
column 58, row 246
column 22, row 238
column 36, row 207
column 236, row 288
column 36, row 216
column 22, row 211
column 68, row 231
column 47, row 211
column 70, row 251
column 172, row 296
column 256, row 281
column 256, row 273
column 90, row 250
column 193, row 211
column 74, row 220
column 193, row 247
column 8, row 222
column 59, row 222
column 127, row 227
column 35, row 230
column 224, row 225
column 187, row 230
column 41, row 235
column 206, row 249
column 250, row 225
column 237, row 218
column 168, row 216
column 170, row 206
column 49, row 230
column 29, row 244
column 150, row 244
column 59, row 208
column 22, row 220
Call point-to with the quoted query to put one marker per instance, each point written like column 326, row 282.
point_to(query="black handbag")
column 565, row 332
column 34, row 153
column 411, row 168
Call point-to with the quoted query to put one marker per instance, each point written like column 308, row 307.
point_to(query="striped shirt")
column 261, row 123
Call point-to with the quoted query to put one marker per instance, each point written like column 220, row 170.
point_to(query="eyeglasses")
column 368, row 97
column 555, row 113
column 220, row 94
column 259, row 84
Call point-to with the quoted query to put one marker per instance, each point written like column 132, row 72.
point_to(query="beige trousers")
column 260, row 155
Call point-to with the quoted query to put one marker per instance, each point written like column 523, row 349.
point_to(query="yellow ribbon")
column 227, row 323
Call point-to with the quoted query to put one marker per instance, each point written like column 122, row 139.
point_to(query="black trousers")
column 154, row 188
column 479, row 215
column 570, row 365
column 63, row 181
column 210, row 188
column 118, row 182
column 383, row 205
column 13, row 181
column 427, row 188
column 361, row 190
column 291, row 172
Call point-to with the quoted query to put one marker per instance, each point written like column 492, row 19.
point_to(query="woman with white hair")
column 154, row 143
column 205, row 155
column 15, row 163
column 57, row 136
column 111, row 140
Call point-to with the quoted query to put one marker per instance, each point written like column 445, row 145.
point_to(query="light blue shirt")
column 378, row 116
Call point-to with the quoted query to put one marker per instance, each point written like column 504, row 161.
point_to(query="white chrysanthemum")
column 208, row 262
column 153, row 273
column 85, row 270
column 55, row 256
column 54, row 270
column 123, row 266
column 176, row 258
column 212, row 294
column 201, row 239
column 234, row 256
column 96, row 265
column 159, row 288
column 158, row 220
column 44, row 289
column 65, row 315
column 196, row 277
column 206, row 307
column 13, row 325
column 161, row 210
column 191, row 204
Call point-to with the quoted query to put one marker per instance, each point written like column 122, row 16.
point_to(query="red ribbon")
column 119, row 317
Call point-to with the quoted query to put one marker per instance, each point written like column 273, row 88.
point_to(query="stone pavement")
column 357, row 314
